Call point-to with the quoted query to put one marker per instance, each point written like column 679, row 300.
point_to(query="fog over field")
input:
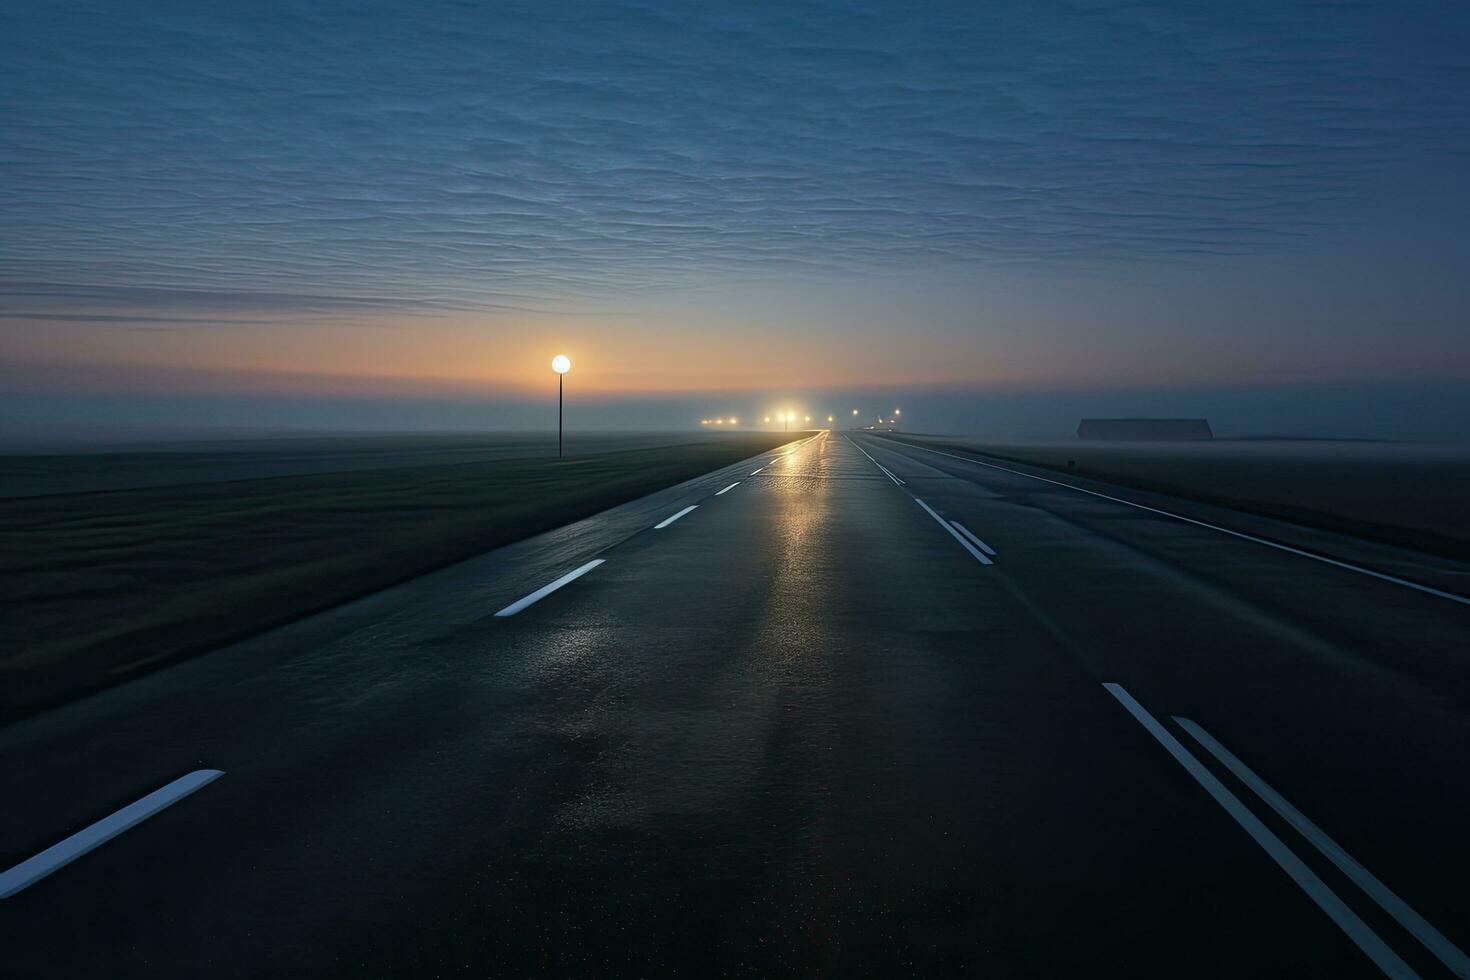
column 1416, row 411
column 1002, row 217
column 87, row 467
column 649, row 487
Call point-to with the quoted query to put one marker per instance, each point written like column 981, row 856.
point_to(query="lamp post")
column 561, row 364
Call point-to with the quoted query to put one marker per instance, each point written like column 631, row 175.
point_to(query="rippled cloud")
column 325, row 157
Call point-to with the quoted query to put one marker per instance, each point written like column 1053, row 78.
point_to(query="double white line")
column 979, row 550
column 1346, row 919
column 1348, row 566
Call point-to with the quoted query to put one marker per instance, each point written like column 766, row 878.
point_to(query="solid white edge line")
column 874, row 461
column 1347, row 920
column 1213, row 527
column 546, row 590
column 974, row 552
column 728, row 489
column 669, row 520
column 59, row 855
column 971, row 535
column 1447, row 952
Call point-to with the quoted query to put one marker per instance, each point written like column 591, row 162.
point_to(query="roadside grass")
column 100, row 587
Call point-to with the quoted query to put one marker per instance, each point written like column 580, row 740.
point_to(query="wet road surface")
column 863, row 708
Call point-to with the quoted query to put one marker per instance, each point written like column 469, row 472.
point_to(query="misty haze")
column 642, row 489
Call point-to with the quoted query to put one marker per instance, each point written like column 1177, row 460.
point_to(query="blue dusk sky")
column 1003, row 215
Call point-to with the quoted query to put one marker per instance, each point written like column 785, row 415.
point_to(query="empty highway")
column 852, row 706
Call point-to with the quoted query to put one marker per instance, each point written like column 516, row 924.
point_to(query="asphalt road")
column 808, row 726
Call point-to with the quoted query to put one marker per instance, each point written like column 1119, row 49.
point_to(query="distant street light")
column 561, row 364
column 829, row 418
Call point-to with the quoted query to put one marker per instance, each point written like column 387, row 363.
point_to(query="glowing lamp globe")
column 561, row 364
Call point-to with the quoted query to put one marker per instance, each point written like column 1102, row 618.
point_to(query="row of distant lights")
column 791, row 417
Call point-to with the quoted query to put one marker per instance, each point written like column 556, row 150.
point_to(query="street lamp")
column 561, row 364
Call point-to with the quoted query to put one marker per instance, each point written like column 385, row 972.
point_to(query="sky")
column 1001, row 215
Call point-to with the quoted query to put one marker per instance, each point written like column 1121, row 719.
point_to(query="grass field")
column 103, row 586
column 165, row 464
column 1412, row 496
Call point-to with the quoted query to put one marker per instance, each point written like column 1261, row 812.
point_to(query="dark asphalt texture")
column 800, row 730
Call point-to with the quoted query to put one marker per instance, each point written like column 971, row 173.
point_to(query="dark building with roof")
column 1145, row 430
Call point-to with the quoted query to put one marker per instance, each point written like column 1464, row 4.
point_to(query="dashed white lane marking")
column 58, row 856
column 669, row 520
column 876, row 463
column 754, row 472
column 727, row 489
column 1347, row 920
column 546, row 590
column 974, row 540
column 1213, row 527
column 975, row 552
column 1448, row 953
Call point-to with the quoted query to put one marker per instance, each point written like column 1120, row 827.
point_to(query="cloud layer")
column 326, row 157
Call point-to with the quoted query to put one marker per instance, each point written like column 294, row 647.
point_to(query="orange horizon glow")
column 474, row 357
column 467, row 356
